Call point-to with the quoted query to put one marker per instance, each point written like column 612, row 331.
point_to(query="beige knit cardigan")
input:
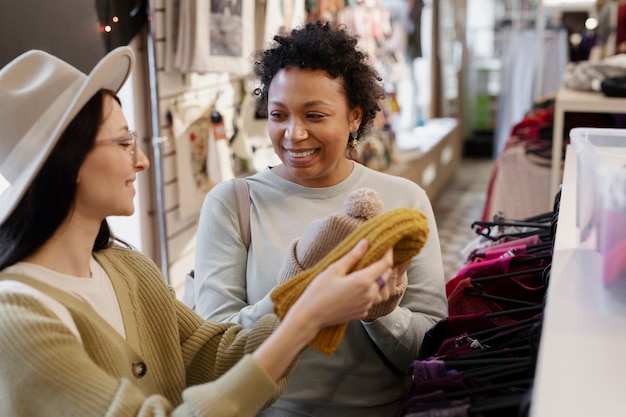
column 169, row 363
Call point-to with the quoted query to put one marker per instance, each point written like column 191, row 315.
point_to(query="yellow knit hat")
column 403, row 229
column 323, row 235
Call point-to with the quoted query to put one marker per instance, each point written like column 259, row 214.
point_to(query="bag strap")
column 243, row 209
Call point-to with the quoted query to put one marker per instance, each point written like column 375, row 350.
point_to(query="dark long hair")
column 50, row 198
column 330, row 48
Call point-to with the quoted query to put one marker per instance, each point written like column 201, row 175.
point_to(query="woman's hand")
column 392, row 293
column 334, row 297
column 396, row 276
column 337, row 296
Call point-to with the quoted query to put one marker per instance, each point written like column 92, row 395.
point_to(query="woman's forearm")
column 335, row 296
column 284, row 345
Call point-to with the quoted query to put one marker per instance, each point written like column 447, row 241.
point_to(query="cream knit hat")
column 403, row 229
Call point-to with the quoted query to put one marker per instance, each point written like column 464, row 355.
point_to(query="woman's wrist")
column 283, row 346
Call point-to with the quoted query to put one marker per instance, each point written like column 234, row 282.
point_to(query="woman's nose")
column 296, row 133
column 143, row 162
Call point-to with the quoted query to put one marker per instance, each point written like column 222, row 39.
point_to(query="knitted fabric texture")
column 403, row 229
column 323, row 235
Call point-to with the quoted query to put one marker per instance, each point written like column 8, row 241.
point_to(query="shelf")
column 568, row 100
column 428, row 155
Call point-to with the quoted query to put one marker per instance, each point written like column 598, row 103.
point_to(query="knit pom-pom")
column 363, row 203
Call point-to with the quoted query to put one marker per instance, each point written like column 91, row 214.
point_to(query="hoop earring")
column 354, row 134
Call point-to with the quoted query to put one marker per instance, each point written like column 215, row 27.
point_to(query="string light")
column 109, row 28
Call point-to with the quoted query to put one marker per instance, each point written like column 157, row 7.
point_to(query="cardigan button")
column 139, row 369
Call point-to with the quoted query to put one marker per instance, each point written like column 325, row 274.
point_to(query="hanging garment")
column 607, row 27
column 521, row 187
column 219, row 157
column 282, row 15
column 190, row 130
column 414, row 40
column 252, row 141
column 520, row 74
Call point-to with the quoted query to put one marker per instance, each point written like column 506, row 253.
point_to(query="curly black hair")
column 326, row 47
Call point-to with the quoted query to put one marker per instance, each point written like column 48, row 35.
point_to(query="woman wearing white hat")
column 88, row 326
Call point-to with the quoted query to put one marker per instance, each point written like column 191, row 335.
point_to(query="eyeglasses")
column 128, row 142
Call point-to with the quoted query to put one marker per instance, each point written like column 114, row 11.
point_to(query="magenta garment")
column 494, row 267
column 524, row 287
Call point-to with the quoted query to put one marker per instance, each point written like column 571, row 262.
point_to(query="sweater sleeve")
column 399, row 334
column 46, row 372
column 221, row 260
column 231, row 397
column 218, row 358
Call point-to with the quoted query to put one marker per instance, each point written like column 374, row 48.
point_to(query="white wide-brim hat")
column 39, row 96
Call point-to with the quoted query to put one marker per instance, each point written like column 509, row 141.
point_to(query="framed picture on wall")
column 215, row 36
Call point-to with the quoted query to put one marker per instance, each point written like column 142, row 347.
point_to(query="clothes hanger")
column 535, row 222
column 513, row 311
column 513, row 274
column 538, row 247
column 523, row 383
column 499, row 329
column 478, row 408
column 523, row 371
column 497, row 298
column 457, row 363
column 540, row 218
column 514, row 235
column 490, row 352
column 545, row 277
column 522, row 337
column 485, row 372
column 510, row 223
column 522, row 313
column 529, row 250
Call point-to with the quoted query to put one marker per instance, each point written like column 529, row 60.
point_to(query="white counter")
column 581, row 368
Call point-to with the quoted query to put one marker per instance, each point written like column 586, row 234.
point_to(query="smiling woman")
column 305, row 117
column 321, row 95
column 105, row 180
column 92, row 319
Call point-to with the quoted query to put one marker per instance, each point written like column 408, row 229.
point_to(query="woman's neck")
column 342, row 170
column 68, row 250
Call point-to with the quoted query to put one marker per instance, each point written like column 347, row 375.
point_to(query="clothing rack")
column 481, row 359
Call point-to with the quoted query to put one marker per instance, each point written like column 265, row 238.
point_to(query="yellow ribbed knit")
column 403, row 229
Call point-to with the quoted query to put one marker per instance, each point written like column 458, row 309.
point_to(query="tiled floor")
column 457, row 206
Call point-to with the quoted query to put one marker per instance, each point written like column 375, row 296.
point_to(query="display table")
column 568, row 100
column 581, row 365
column 428, row 155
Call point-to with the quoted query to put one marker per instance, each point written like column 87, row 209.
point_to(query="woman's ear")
column 356, row 115
column 79, row 175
